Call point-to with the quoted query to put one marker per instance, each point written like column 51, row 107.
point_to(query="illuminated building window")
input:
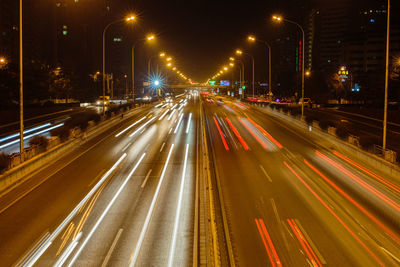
column 117, row 39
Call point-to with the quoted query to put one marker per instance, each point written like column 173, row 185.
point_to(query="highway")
column 290, row 202
column 127, row 196
column 124, row 198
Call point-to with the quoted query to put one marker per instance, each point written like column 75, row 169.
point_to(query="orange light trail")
column 221, row 134
column 303, row 242
column 360, row 181
column 334, row 215
column 269, row 246
column 369, row 215
column 371, row 173
column 245, row 146
column 266, row 133
column 253, row 134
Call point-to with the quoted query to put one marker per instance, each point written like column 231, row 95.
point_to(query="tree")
column 60, row 84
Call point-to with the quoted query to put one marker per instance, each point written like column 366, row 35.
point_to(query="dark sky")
column 202, row 34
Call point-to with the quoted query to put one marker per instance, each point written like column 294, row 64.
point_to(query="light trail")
column 178, row 124
column 105, row 212
column 178, row 211
column 188, row 125
column 334, row 214
column 221, row 134
column 174, row 106
column 126, row 129
column 265, row 133
column 170, row 115
column 31, row 135
column 245, row 146
column 269, row 246
column 163, row 115
column 159, row 105
column 253, row 133
column 68, row 251
column 47, row 242
column 25, row 132
column 141, row 127
column 150, row 212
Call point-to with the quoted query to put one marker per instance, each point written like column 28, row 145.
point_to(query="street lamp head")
column 232, row 59
column 231, row 64
column 225, row 68
column 277, row 18
column 174, row 68
column 162, row 54
column 130, row 18
column 2, row 60
column 251, row 38
column 125, row 76
column 239, row 52
column 169, row 65
column 169, row 58
column 150, row 37
column 342, row 68
column 308, row 73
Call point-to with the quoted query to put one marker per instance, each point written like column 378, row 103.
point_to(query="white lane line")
column 265, row 173
column 159, row 105
column 123, row 150
column 136, row 250
column 188, row 125
column 141, row 127
column 110, row 251
column 127, row 128
column 105, row 212
column 31, row 135
column 170, row 130
column 163, row 115
column 170, row 115
column 179, row 123
column 162, row 147
column 145, row 179
column 178, row 211
column 58, row 230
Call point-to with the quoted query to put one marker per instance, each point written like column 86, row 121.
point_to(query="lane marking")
column 265, row 173
column 105, row 212
column 178, row 211
column 110, row 251
column 123, row 150
column 279, row 221
column 188, row 125
column 179, row 123
column 145, row 179
column 162, row 147
column 137, row 248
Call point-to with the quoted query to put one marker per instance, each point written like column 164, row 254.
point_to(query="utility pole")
column 386, row 79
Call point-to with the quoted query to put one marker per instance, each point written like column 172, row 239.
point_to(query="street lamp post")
column 148, row 38
column 21, row 87
column 129, row 19
column 386, row 79
column 254, row 39
column 241, row 72
column 239, row 52
column 279, row 19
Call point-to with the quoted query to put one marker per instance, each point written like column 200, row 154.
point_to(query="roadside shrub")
column 324, row 124
column 309, row 119
column 342, row 132
column 62, row 132
column 79, row 120
column 295, row 111
column 4, row 162
column 39, row 140
column 285, row 109
column 367, row 142
column 93, row 116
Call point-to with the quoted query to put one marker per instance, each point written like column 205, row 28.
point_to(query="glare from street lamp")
column 130, row 18
column 277, row 18
column 169, row 65
column 150, row 37
column 169, row 59
column 174, row 68
column 162, row 54
column 232, row 59
column 251, row 38
column 225, row 68
column 239, row 52
column 231, row 64
column 308, row 73
column 2, row 60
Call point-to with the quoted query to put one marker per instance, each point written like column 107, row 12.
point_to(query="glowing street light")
column 279, row 19
column 225, row 68
column 150, row 37
column 169, row 65
column 130, row 18
column 169, row 58
column 308, row 73
column 251, row 38
column 231, row 64
column 162, row 54
column 239, row 52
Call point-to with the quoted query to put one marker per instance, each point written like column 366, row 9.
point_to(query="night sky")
column 203, row 34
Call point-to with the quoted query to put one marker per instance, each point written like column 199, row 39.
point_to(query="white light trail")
column 141, row 127
column 165, row 105
column 105, row 211
column 56, row 232
column 150, row 212
column 25, row 132
column 156, row 106
column 162, row 116
column 178, row 211
column 31, row 135
column 189, row 120
column 68, row 251
column 174, row 106
column 126, row 129
column 170, row 115
column 179, row 122
column 179, row 95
